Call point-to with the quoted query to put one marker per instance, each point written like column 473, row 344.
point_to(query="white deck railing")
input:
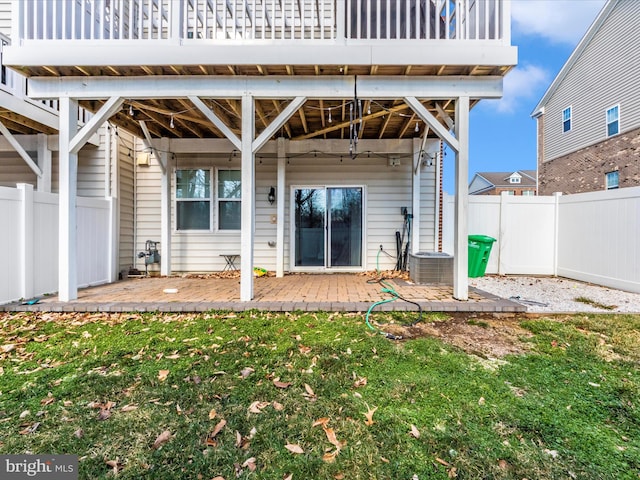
column 260, row 20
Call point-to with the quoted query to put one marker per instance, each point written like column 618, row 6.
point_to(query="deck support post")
column 280, row 199
column 416, row 167
column 248, row 198
column 460, row 239
column 165, row 209
column 44, row 162
column 67, row 238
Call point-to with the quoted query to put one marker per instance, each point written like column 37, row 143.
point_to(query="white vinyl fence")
column 592, row 237
column 29, row 242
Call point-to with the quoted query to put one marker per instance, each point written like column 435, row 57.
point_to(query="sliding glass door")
column 328, row 227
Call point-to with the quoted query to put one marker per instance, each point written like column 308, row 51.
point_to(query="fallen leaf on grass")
column 129, row 408
column 47, row 400
column 287, row 477
column 294, row 448
column 481, row 401
column 361, row 382
column 212, row 414
column 30, row 428
column 277, row 406
column 278, row 384
column 331, row 436
column 339, row 476
column 442, row 462
column 163, row 438
column 369, row 414
column 245, row 372
column 218, row 428
column 309, row 393
column 104, row 414
column 321, row 421
column 79, row 433
column 452, row 473
column 114, row 465
column 8, row 347
column 257, row 406
column 330, row 457
column 250, row 463
column 162, row 375
column 218, row 478
column 415, row 433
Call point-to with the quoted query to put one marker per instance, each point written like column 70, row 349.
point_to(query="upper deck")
column 257, row 37
column 425, row 39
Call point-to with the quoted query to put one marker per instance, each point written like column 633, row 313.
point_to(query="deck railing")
column 261, row 20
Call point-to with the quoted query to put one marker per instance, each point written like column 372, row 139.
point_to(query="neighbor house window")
column 528, row 193
column 229, row 199
column 613, row 120
column 612, row 180
column 514, row 179
column 566, row 119
column 193, row 199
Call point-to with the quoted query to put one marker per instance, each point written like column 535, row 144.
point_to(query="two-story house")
column 294, row 134
column 589, row 118
column 520, row 182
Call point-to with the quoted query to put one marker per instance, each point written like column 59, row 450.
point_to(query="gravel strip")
column 557, row 295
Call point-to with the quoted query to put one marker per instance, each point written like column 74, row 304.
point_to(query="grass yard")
column 320, row 396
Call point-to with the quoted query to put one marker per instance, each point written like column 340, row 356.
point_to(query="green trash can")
column 479, row 251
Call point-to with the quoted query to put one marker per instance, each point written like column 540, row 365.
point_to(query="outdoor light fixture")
column 272, row 195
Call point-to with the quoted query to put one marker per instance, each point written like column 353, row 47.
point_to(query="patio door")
column 328, row 227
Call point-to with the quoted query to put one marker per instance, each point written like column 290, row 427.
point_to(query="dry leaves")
column 278, row 384
column 257, row 406
column 250, row 463
column 360, row 382
column 414, row 432
column 162, row 375
column 115, row 465
column 246, row 371
column 309, row 393
column 161, row 439
column 369, row 415
column 294, row 448
column 212, row 414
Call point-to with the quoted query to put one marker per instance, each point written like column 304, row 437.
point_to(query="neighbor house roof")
column 501, row 179
column 577, row 52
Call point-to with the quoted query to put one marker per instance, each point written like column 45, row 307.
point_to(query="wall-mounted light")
column 272, row 195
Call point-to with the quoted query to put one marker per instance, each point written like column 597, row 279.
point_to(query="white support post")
column 67, row 242
column 44, row 162
column 556, row 231
column 248, row 199
column 165, row 210
column 280, row 199
column 415, row 201
column 503, row 233
column 26, row 234
column 460, row 240
column 113, row 239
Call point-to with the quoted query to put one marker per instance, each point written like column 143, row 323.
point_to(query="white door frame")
column 292, row 229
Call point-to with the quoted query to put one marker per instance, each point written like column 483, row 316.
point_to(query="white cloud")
column 560, row 21
column 525, row 82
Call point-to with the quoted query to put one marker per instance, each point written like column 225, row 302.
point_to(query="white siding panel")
column 386, row 189
column 5, row 17
column 606, row 74
column 126, row 149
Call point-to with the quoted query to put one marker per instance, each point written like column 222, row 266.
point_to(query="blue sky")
column 502, row 133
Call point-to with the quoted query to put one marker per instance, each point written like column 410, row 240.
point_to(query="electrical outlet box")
column 394, row 161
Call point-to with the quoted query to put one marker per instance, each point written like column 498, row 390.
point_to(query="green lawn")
column 318, row 396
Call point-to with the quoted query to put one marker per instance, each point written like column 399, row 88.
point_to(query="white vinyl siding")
column 387, row 189
column 5, row 16
column 605, row 74
column 126, row 149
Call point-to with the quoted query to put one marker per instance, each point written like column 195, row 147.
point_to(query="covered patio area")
column 293, row 292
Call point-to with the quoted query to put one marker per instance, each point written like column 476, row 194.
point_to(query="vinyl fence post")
column 26, row 237
column 556, row 233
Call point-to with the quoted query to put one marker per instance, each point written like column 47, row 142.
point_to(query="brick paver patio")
column 332, row 292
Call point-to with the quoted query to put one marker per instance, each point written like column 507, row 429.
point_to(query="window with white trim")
column 612, row 180
column 514, row 179
column 613, row 121
column 566, row 119
column 229, row 199
column 193, row 199
column 528, row 193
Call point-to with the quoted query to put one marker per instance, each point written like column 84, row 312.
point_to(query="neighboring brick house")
column 520, row 182
column 589, row 118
